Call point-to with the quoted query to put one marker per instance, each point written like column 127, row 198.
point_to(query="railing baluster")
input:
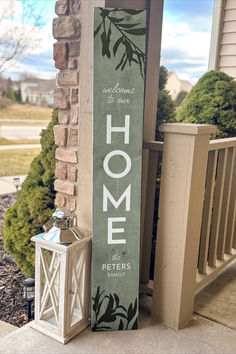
column 207, row 211
column 232, row 211
column 234, row 229
column 225, row 204
column 218, row 196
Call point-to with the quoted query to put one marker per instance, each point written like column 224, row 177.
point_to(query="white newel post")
column 180, row 212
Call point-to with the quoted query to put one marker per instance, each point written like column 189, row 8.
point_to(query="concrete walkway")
column 7, row 184
column 27, row 121
column 20, row 132
column 19, row 146
column 6, row 328
column 201, row 336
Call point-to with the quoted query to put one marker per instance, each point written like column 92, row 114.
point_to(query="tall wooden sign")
column 119, row 64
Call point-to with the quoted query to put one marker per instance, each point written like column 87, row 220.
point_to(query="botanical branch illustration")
column 114, row 310
column 130, row 52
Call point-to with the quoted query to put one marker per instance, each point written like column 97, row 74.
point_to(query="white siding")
column 229, row 70
column 228, row 60
column 230, row 4
column 227, row 40
column 230, row 15
column 229, row 27
column 228, row 49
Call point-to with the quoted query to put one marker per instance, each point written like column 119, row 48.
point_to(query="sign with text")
column 119, row 64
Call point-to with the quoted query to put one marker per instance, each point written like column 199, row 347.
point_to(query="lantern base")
column 54, row 333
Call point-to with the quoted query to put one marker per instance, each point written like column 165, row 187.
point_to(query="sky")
column 186, row 37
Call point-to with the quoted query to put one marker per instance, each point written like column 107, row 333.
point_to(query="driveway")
column 20, row 132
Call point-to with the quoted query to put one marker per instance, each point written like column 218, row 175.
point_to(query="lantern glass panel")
column 77, row 288
column 50, row 271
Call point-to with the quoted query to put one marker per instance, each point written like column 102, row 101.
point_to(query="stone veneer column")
column 66, row 52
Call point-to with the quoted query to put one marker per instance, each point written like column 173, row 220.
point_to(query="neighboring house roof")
column 175, row 85
column 223, row 38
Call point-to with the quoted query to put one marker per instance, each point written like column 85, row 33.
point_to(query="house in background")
column 175, row 85
column 38, row 92
column 223, row 39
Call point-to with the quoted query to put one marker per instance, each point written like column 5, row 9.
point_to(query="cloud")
column 185, row 50
column 21, row 30
column 36, row 69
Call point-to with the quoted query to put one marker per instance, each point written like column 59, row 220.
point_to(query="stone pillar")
column 180, row 213
column 66, row 53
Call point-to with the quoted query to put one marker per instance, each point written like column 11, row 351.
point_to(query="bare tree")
column 20, row 24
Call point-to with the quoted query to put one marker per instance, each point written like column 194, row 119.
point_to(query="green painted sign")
column 119, row 63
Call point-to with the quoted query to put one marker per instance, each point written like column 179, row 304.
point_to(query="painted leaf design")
column 104, row 12
column 135, row 324
column 128, row 25
column 129, row 313
column 106, row 317
column 110, row 305
column 123, row 66
column 97, row 30
column 136, row 31
column 103, row 327
column 119, row 314
column 126, row 318
column 129, row 51
column 105, row 43
column 121, row 307
column 121, row 325
column 135, row 308
column 125, row 29
column 116, row 299
column 95, row 307
column 116, row 20
column 97, row 293
column 99, row 306
column 109, row 38
column 132, row 12
column 116, row 45
column 121, row 62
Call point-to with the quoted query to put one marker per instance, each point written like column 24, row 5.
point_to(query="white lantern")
column 62, row 280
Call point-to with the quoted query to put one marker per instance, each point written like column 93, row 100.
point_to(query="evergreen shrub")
column 165, row 105
column 35, row 203
column 212, row 101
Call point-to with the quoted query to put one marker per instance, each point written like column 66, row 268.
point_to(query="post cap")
column 188, row 128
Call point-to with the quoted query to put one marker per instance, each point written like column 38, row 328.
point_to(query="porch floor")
column 217, row 300
column 201, row 336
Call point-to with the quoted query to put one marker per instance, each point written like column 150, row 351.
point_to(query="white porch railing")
column 197, row 197
column 218, row 239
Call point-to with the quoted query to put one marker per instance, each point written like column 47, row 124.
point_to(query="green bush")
column 35, row 203
column 9, row 93
column 165, row 105
column 181, row 96
column 212, row 101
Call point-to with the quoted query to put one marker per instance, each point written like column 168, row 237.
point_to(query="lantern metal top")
column 62, row 229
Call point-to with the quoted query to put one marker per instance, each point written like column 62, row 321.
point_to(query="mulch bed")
column 13, row 307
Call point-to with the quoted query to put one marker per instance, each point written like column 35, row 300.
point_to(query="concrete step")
column 6, row 328
column 200, row 336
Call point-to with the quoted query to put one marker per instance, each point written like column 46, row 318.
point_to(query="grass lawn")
column 16, row 162
column 4, row 141
column 26, row 111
